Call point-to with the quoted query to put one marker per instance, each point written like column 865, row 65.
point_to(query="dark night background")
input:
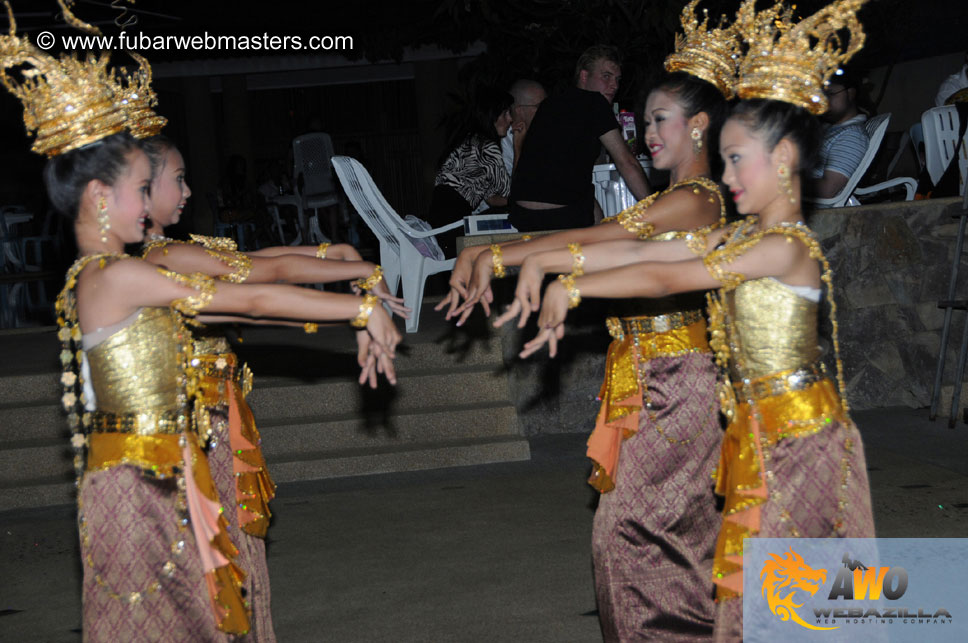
column 392, row 123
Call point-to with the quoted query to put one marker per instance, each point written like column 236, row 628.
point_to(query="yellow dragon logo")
column 790, row 572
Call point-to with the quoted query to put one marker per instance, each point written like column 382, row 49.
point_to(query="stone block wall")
column 892, row 264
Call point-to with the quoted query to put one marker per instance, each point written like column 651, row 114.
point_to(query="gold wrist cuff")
column 578, row 267
column 574, row 295
column 497, row 260
column 370, row 282
column 366, row 309
column 322, row 250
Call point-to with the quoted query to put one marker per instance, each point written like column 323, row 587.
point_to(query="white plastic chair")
column 398, row 254
column 875, row 127
column 311, row 157
column 940, row 126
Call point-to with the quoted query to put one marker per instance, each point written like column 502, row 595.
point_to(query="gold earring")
column 786, row 183
column 103, row 222
column 696, row 136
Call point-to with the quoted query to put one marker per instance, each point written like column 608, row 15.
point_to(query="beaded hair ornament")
column 709, row 54
column 792, row 61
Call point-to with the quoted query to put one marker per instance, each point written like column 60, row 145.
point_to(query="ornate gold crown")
column 710, row 54
column 133, row 91
column 792, row 62
column 68, row 102
column 71, row 102
column 139, row 99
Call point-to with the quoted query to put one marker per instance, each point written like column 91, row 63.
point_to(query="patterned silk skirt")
column 143, row 580
column 252, row 549
column 654, row 534
column 808, row 477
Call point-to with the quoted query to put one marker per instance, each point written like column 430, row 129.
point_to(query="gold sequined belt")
column 218, row 365
column 775, row 384
column 143, row 423
column 618, row 328
column 223, row 366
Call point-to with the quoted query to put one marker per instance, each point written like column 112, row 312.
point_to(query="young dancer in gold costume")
column 657, row 434
column 792, row 462
column 158, row 562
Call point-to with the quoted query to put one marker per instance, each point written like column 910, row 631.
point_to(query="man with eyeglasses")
column 845, row 140
column 527, row 94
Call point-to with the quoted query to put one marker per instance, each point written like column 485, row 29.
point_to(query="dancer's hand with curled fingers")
column 478, row 289
column 527, row 294
column 382, row 347
column 459, row 278
column 551, row 321
column 396, row 304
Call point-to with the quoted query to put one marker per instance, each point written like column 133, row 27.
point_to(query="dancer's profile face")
column 169, row 190
column 749, row 170
column 127, row 199
column 666, row 130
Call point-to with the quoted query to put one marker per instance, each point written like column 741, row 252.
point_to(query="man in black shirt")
column 552, row 184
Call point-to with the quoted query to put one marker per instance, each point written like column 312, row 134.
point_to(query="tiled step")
column 300, row 435
column 416, row 457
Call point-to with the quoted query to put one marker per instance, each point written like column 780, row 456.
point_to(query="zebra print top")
column 475, row 169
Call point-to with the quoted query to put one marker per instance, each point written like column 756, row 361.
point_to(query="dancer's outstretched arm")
column 114, row 292
column 686, row 208
column 287, row 268
column 598, row 257
column 774, row 256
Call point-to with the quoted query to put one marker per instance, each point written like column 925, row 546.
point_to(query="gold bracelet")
column 578, row 267
column 366, row 309
column 370, row 282
column 322, row 249
column 310, row 327
column 574, row 295
column 497, row 260
column 526, row 237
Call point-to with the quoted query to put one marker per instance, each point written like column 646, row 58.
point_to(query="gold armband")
column 366, row 309
column 714, row 264
column 310, row 327
column 213, row 243
column 370, row 282
column 578, row 267
column 203, row 285
column 497, row 260
column 240, row 264
column 322, row 250
column 574, row 295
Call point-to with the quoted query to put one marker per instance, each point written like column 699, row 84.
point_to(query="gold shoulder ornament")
column 633, row 218
column 203, row 285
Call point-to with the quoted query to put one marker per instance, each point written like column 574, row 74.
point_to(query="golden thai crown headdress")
column 709, row 54
column 139, row 100
column 134, row 90
column 68, row 102
column 791, row 61
column 72, row 102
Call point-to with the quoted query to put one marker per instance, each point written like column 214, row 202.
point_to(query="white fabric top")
column 807, row 292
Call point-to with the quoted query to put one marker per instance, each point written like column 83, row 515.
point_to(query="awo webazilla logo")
column 788, row 584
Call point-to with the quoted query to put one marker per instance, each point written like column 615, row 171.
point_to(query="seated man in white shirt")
column 845, row 140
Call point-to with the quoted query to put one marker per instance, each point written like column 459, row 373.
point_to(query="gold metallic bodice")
column 136, row 370
column 772, row 329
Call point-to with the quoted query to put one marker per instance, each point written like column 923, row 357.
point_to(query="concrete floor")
column 489, row 553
